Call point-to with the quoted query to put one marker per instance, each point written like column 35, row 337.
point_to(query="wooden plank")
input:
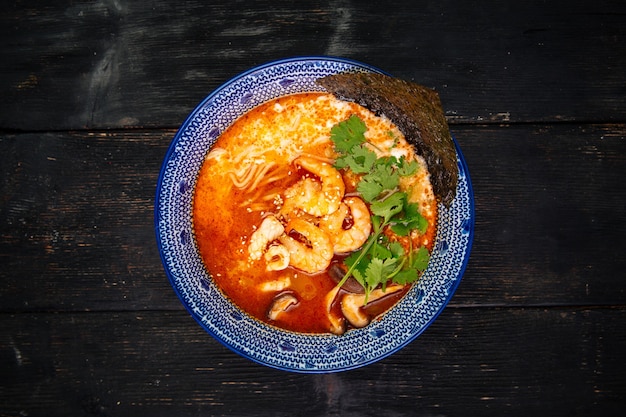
column 471, row 361
column 77, row 218
column 77, row 221
column 549, row 200
column 108, row 65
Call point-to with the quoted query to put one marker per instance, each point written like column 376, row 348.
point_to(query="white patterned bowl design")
column 268, row 345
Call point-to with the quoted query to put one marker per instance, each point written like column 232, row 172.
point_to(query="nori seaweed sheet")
column 417, row 112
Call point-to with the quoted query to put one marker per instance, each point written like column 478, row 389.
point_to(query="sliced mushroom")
column 337, row 273
column 337, row 324
column 281, row 304
column 351, row 305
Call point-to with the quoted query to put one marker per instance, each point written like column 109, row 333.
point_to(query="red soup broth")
column 243, row 179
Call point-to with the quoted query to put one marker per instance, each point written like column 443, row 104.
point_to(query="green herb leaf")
column 406, row 276
column 386, row 174
column 380, row 178
column 379, row 270
column 396, row 249
column 369, row 188
column 362, row 160
column 407, row 168
column 388, row 207
column 380, row 251
column 380, row 261
column 420, row 259
column 348, row 134
column 409, row 219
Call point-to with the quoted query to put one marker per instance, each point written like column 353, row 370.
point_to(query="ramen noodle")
column 276, row 217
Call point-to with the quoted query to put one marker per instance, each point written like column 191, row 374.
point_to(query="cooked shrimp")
column 353, row 237
column 271, row 228
column 281, row 305
column 276, row 285
column 313, row 256
column 276, row 257
column 318, row 198
column 299, row 196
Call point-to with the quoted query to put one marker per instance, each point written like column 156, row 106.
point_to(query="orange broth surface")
column 243, row 179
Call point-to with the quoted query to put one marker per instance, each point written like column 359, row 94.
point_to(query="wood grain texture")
column 78, row 221
column 113, row 64
column 91, row 94
column 557, row 362
column 550, row 200
column 78, row 234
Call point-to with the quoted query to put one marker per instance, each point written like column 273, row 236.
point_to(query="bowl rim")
column 171, row 149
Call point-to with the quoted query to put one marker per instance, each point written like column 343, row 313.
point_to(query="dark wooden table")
column 91, row 94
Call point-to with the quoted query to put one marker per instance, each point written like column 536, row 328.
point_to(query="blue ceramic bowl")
column 231, row 326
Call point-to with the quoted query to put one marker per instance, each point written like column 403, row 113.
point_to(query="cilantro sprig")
column 380, row 261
